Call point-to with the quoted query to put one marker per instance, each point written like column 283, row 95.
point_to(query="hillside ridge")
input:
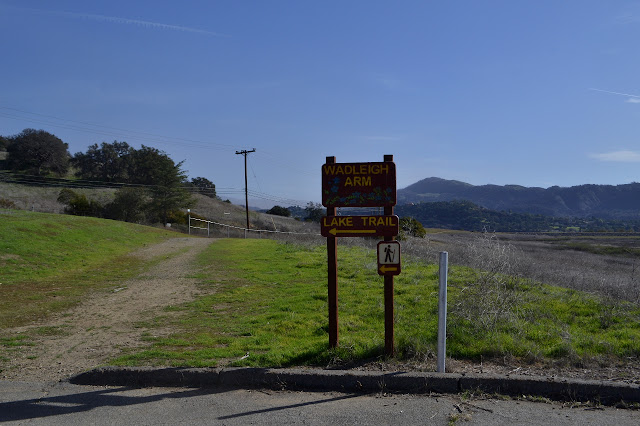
column 589, row 200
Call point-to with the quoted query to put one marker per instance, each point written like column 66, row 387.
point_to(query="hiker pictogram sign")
column 359, row 226
column 389, row 258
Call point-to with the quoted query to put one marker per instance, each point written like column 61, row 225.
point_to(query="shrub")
column 128, row 205
column 79, row 204
column 279, row 211
column 410, row 227
column 179, row 216
column 7, row 204
column 491, row 292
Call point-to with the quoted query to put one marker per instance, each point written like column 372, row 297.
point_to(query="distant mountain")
column 467, row 216
column 602, row 201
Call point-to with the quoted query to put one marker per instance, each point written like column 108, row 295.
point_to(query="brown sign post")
column 332, row 260
column 359, row 185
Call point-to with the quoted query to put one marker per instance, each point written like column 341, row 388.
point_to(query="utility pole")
column 246, row 186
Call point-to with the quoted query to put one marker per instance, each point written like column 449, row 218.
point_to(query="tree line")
column 465, row 215
column 153, row 188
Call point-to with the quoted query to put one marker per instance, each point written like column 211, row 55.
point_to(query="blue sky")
column 534, row 93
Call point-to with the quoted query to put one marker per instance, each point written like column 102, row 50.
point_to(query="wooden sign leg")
column 332, row 249
column 389, row 347
column 332, row 281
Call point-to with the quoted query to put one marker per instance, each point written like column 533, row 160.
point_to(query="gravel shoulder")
column 104, row 324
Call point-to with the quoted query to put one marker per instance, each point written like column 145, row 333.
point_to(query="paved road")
column 67, row 404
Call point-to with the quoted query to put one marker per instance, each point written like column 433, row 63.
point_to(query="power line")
column 26, row 179
column 108, row 130
column 116, row 132
column 32, row 180
column 277, row 159
column 255, row 177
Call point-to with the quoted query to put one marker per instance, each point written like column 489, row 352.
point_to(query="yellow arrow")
column 384, row 269
column 334, row 231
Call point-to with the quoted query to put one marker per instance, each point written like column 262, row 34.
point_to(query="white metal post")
column 189, row 214
column 442, row 311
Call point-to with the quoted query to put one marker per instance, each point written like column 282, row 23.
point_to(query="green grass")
column 270, row 300
column 15, row 341
column 48, row 262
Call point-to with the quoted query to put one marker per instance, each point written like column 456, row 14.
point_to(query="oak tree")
column 37, row 152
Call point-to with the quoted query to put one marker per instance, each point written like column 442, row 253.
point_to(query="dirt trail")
column 105, row 323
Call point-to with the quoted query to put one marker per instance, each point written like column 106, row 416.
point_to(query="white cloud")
column 618, row 156
column 633, row 101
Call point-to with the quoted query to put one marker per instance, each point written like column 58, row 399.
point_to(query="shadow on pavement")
column 85, row 401
column 287, row 407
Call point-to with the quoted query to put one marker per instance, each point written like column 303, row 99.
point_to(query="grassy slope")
column 48, row 261
column 44, row 199
column 269, row 300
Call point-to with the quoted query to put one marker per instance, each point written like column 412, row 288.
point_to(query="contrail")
column 140, row 23
column 615, row 93
column 116, row 20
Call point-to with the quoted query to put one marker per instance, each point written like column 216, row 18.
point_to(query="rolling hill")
column 621, row 202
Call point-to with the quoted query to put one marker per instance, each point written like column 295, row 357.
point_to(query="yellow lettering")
column 356, row 169
column 358, row 181
column 329, row 169
column 378, row 221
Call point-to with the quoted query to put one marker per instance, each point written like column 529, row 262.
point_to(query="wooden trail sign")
column 359, row 184
column 359, row 226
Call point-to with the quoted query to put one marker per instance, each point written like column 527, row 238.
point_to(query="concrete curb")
column 363, row 381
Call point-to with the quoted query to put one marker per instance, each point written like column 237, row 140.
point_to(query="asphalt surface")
column 68, row 404
column 599, row 392
column 237, row 396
